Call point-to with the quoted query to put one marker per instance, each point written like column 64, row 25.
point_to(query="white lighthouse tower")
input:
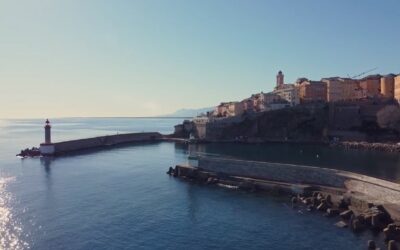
column 47, row 148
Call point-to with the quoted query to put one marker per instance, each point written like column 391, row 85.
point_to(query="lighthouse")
column 47, row 148
column 47, row 132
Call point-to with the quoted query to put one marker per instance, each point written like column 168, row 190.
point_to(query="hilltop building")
column 397, row 88
column 351, row 89
column 228, row 109
column 387, row 86
column 269, row 101
column 289, row 92
column 371, row 85
column 334, row 89
column 312, row 91
column 339, row 88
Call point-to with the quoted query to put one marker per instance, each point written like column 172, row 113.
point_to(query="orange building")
column 371, row 85
column 312, row 91
column 397, row 88
column 387, row 86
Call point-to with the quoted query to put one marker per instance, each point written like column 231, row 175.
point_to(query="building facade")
column 289, row 92
column 371, row 85
column 228, row 109
column 387, row 86
column 397, row 88
column 334, row 89
column 312, row 91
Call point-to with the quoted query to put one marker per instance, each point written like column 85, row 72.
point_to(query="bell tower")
column 279, row 79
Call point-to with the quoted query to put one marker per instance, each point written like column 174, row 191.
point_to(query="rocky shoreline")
column 353, row 211
column 373, row 146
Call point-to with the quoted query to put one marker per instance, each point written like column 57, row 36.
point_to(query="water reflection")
column 10, row 227
column 46, row 163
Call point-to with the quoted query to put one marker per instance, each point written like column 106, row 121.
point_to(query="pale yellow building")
column 397, row 88
column 334, row 89
column 387, row 86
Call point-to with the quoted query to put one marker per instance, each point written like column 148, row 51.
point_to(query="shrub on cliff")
column 389, row 117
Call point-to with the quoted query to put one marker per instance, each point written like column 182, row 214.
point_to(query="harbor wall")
column 377, row 189
column 101, row 141
column 273, row 171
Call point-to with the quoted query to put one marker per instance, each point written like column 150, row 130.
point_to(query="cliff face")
column 299, row 124
column 351, row 121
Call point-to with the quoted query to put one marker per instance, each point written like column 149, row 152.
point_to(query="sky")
column 95, row 58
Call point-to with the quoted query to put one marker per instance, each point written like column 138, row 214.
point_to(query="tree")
column 389, row 117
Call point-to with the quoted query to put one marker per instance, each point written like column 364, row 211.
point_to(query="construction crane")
column 363, row 73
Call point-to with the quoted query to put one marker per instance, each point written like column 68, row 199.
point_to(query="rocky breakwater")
column 385, row 147
column 358, row 202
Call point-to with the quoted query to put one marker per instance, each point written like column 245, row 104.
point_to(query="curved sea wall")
column 375, row 190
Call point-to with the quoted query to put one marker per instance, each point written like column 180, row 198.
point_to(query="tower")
column 279, row 79
column 47, row 132
column 47, row 148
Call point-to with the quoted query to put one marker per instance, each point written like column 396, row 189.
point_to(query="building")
column 289, row 92
column 351, row 89
column 387, row 86
column 268, row 101
column 334, row 89
column 221, row 110
column 371, row 85
column 312, row 91
column 248, row 105
column 235, row 108
column 280, row 79
column 200, row 126
column 397, row 88
column 227, row 109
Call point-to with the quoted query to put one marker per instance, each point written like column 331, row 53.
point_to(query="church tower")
column 279, row 79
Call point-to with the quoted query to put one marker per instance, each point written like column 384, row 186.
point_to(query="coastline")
column 359, row 202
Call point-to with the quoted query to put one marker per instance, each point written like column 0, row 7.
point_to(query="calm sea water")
column 121, row 198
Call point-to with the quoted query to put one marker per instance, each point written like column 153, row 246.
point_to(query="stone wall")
column 379, row 190
column 273, row 171
column 68, row 146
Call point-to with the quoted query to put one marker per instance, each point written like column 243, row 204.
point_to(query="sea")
column 122, row 198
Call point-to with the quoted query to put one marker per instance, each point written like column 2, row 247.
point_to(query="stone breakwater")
column 64, row 147
column 359, row 202
column 385, row 147
column 101, row 141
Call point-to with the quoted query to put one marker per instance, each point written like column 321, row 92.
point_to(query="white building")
column 288, row 92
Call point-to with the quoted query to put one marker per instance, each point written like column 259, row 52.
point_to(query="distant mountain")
column 189, row 112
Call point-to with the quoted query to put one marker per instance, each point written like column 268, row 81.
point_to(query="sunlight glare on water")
column 10, row 228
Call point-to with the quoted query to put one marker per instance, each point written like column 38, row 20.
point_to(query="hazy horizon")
column 149, row 58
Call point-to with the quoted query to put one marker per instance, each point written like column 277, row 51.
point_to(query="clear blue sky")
column 143, row 58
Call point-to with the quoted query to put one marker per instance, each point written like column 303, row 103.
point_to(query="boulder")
column 346, row 214
column 341, row 224
column 331, row 212
column 371, row 245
